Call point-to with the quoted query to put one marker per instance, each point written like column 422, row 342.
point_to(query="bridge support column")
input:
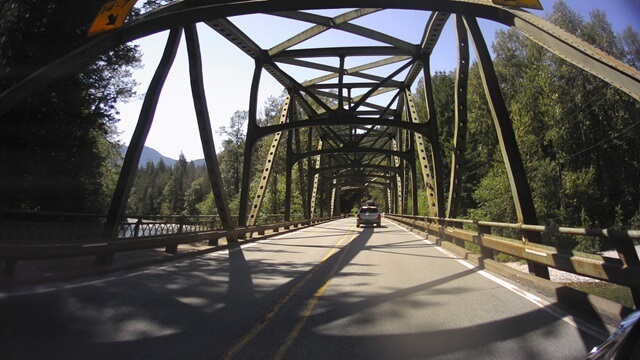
column 288, row 179
column 399, row 179
column 460, row 129
column 268, row 166
column 428, row 175
column 414, row 176
column 301, row 180
column 204, row 127
column 316, row 179
column 434, row 140
column 136, row 145
column 486, row 252
column 523, row 200
column 251, row 138
column 309, row 173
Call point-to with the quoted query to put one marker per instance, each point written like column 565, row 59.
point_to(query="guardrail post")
column 486, row 252
column 105, row 258
column 627, row 252
column 173, row 248
column 10, row 267
column 214, row 240
column 136, row 227
column 456, row 241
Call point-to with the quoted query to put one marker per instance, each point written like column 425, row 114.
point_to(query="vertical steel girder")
column 316, row 178
column 432, row 125
column 414, row 175
column 204, row 126
column 301, row 182
column 309, row 173
column 289, row 170
column 389, row 196
column 460, row 132
column 333, row 197
column 136, row 145
column 251, row 138
column 268, row 165
column 520, row 190
column 293, row 113
column 399, row 177
column 427, row 173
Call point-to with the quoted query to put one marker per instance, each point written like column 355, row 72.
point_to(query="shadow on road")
column 198, row 309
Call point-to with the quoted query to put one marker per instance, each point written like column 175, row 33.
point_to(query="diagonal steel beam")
column 268, row 166
column 520, row 190
column 430, row 37
column 343, row 51
column 136, row 145
column 356, row 71
column 316, row 178
column 460, row 132
column 346, row 120
column 427, row 172
column 434, row 140
column 578, row 52
column 236, row 36
column 333, row 198
column 323, row 24
column 377, row 86
column 367, row 104
column 340, row 22
column 204, row 126
column 399, row 176
column 293, row 84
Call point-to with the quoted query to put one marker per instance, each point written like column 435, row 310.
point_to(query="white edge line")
column 543, row 304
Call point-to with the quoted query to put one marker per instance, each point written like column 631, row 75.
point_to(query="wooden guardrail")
column 104, row 248
column 624, row 270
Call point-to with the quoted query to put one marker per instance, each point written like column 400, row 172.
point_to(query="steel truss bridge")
column 360, row 116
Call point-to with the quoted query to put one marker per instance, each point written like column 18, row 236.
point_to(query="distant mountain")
column 151, row 154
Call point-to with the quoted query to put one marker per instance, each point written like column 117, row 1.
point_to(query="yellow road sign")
column 111, row 16
column 531, row 4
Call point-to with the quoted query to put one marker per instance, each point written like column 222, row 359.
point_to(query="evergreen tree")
column 56, row 147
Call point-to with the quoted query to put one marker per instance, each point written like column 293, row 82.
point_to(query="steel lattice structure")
column 354, row 137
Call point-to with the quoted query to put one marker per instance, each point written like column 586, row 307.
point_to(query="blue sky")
column 228, row 71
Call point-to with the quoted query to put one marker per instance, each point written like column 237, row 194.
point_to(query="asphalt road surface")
column 333, row 291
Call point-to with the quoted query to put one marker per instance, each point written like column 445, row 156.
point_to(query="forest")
column 577, row 134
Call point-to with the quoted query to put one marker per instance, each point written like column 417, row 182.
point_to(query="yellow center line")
column 312, row 304
column 272, row 313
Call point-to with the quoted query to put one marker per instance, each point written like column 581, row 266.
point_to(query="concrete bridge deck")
column 327, row 291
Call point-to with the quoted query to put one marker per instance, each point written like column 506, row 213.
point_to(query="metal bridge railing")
column 40, row 235
column 157, row 225
column 624, row 270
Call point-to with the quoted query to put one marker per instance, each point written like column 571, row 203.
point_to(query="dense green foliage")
column 54, row 145
column 185, row 188
column 575, row 132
